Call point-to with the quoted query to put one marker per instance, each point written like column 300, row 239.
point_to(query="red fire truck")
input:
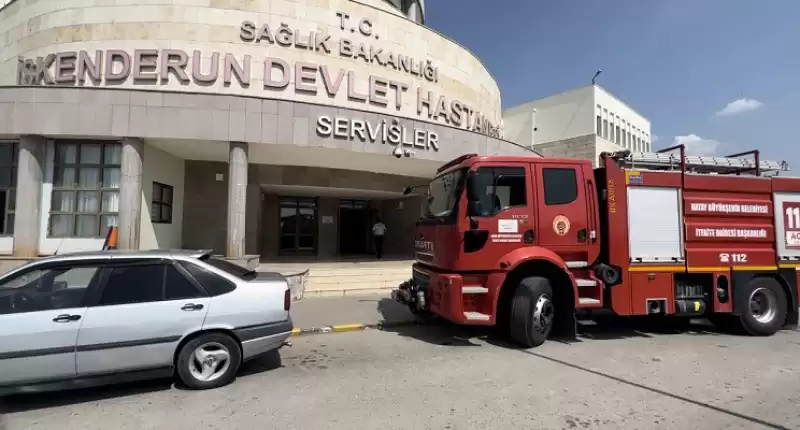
column 525, row 242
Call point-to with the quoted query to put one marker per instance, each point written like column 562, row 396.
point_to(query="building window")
column 624, row 137
column 8, row 184
column 560, row 186
column 619, row 139
column 161, row 206
column 86, row 180
column 605, row 128
column 611, row 136
column 599, row 126
column 630, row 139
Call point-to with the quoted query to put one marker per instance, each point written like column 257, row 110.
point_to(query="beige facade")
column 582, row 122
column 32, row 28
column 226, row 114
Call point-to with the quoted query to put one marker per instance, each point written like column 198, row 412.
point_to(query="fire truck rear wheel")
column 766, row 307
column 532, row 312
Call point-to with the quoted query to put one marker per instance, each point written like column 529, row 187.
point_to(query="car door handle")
column 66, row 318
column 191, row 307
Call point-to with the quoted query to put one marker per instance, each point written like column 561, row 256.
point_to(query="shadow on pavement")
column 729, row 412
column 602, row 326
column 267, row 362
column 33, row 401
column 392, row 311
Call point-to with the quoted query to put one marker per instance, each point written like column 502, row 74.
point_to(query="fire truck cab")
column 524, row 242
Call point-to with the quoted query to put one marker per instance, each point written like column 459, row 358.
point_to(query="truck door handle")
column 66, row 318
column 191, row 307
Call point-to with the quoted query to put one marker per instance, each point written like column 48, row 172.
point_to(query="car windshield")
column 443, row 194
column 231, row 268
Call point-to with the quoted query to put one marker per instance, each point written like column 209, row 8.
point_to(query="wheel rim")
column 543, row 314
column 210, row 361
column 763, row 305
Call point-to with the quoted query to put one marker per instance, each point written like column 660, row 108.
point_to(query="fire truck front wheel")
column 766, row 310
column 532, row 312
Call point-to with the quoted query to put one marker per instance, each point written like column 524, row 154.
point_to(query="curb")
column 343, row 328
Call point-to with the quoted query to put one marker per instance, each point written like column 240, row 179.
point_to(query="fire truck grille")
column 689, row 291
column 421, row 279
column 424, row 257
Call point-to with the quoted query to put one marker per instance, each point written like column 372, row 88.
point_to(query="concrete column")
column 130, row 194
column 30, row 174
column 253, row 227
column 237, row 200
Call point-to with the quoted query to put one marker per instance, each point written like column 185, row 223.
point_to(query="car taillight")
column 287, row 300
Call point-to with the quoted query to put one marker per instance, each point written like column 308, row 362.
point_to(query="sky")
column 722, row 76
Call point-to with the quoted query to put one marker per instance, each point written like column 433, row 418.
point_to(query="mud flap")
column 789, row 276
column 566, row 327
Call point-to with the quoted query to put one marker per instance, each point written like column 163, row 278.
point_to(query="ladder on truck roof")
column 667, row 159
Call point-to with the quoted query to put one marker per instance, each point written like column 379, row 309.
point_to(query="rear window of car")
column 214, row 284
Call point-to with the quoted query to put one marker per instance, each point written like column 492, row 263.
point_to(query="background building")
column 582, row 123
column 412, row 9
column 268, row 127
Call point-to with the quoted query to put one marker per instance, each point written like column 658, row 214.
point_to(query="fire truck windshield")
column 443, row 194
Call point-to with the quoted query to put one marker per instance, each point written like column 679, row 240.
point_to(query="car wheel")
column 766, row 307
column 532, row 312
column 208, row 361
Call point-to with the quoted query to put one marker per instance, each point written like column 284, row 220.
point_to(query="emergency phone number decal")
column 791, row 224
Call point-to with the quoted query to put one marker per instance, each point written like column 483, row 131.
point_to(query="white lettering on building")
column 730, row 208
column 742, row 233
column 381, row 132
column 160, row 66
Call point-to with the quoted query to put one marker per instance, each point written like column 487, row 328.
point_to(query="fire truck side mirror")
column 473, row 207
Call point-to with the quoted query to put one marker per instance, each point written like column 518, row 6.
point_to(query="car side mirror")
column 406, row 191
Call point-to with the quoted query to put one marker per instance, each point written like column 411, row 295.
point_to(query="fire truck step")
column 589, row 301
column 474, row 289
column 476, row 316
column 577, row 264
column 586, row 282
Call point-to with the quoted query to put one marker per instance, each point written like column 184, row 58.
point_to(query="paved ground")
column 446, row 378
column 368, row 310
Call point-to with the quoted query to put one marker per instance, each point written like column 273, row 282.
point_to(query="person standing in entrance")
column 378, row 231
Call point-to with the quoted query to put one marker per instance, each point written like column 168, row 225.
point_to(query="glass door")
column 298, row 225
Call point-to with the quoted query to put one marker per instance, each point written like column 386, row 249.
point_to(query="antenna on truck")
column 666, row 159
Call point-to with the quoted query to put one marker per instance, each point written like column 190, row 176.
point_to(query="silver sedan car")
column 95, row 318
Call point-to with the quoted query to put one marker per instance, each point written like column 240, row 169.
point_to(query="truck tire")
column 532, row 312
column 766, row 309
